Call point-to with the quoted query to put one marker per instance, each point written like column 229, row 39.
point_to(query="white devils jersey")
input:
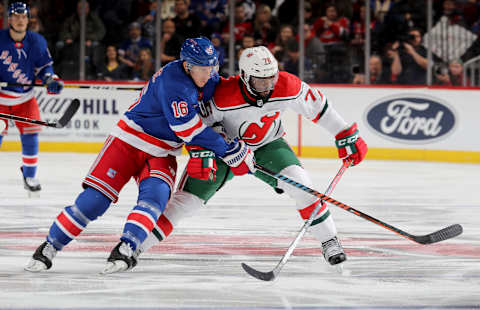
column 259, row 123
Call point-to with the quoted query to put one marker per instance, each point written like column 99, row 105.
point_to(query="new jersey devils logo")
column 254, row 133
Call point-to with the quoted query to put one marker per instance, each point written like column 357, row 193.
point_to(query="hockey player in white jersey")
column 249, row 106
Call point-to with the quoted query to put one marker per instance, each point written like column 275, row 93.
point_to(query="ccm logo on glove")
column 351, row 146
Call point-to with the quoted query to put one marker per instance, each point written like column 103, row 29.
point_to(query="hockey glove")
column 54, row 84
column 202, row 164
column 350, row 145
column 240, row 158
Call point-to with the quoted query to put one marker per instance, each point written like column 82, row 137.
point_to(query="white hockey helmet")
column 258, row 70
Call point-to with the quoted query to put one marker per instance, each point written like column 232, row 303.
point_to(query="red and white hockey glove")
column 350, row 145
column 54, row 84
column 202, row 164
column 240, row 158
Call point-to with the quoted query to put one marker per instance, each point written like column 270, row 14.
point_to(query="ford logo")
column 411, row 118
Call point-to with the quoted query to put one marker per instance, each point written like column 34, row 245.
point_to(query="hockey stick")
column 437, row 236
column 66, row 117
column 272, row 275
column 96, row 87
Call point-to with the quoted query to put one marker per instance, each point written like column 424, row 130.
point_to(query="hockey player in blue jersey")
column 144, row 145
column 24, row 56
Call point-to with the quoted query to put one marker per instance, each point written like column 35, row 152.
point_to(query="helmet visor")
column 263, row 84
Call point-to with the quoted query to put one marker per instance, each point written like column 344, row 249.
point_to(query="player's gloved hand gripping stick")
column 202, row 164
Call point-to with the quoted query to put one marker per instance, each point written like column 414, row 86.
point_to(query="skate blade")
column 35, row 266
column 33, row 194
column 341, row 270
column 114, row 267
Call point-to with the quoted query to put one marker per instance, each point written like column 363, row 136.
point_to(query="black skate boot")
column 42, row 258
column 121, row 258
column 333, row 251
column 32, row 185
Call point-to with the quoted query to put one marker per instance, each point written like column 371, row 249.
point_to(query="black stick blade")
column 443, row 234
column 265, row 276
column 67, row 116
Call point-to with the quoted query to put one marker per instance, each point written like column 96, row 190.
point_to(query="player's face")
column 19, row 22
column 263, row 86
column 201, row 74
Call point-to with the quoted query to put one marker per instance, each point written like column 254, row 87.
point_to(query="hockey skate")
column 333, row 251
column 121, row 258
column 32, row 185
column 42, row 258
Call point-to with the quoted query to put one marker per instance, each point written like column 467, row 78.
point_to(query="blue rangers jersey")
column 166, row 115
column 21, row 62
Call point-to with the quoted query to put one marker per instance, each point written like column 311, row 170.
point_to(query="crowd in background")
column 120, row 36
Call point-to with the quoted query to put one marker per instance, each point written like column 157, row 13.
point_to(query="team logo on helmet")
column 209, row 50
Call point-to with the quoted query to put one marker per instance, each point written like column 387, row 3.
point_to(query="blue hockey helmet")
column 18, row 8
column 199, row 52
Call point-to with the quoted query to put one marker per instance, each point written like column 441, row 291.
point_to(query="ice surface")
column 199, row 266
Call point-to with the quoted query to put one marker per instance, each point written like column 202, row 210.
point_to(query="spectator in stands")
column 451, row 76
column 357, row 42
column 70, row 31
column 402, row 16
column 315, row 52
column 265, row 26
column 144, row 67
column 34, row 22
column 186, row 24
column 450, row 10
column 115, row 14
column 248, row 41
column 378, row 73
column 171, row 42
column 129, row 50
column 413, row 59
column 147, row 22
column 333, row 30
column 69, row 42
column 112, row 69
column 216, row 39
column 291, row 61
column 212, row 14
column 242, row 26
column 279, row 50
column 393, row 60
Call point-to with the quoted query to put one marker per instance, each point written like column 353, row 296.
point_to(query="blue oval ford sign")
column 411, row 118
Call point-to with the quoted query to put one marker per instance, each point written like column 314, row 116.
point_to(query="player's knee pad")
column 183, row 204
column 155, row 193
column 301, row 176
column 29, row 143
column 91, row 203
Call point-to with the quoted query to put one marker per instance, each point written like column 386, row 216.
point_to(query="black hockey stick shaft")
column 440, row 235
column 95, row 87
column 272, row 275
column 66, row 117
